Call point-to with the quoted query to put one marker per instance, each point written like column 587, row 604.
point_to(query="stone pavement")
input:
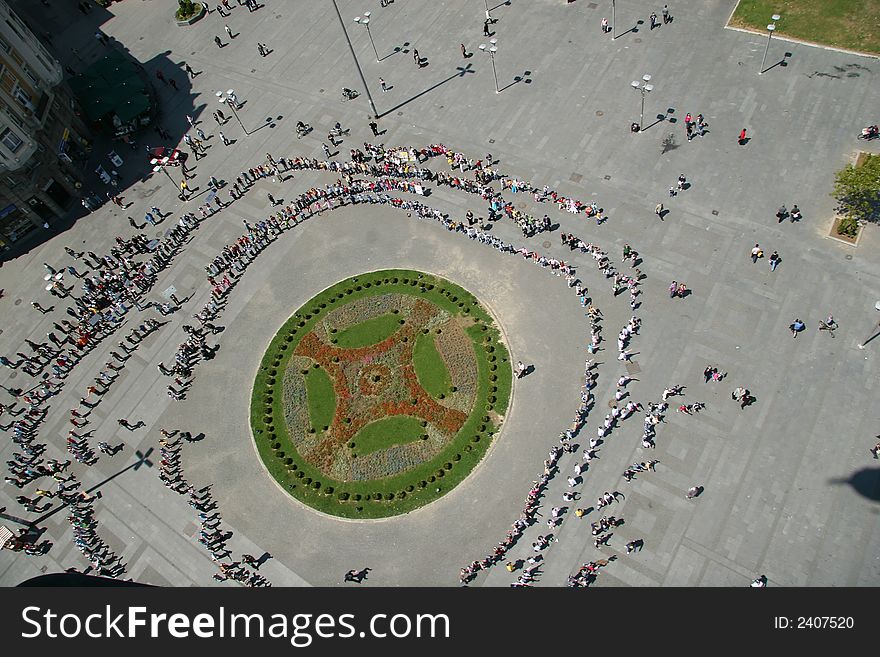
column 771, row 504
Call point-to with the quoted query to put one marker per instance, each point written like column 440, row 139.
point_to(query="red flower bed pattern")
column 355, row 406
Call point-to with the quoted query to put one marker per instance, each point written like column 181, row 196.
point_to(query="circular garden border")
column 426, row 482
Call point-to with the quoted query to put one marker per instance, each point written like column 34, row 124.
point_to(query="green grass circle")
column 419, row 483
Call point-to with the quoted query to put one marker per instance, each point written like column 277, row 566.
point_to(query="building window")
column 23, row 97
column 30, row 76
column 15, row 30
column 4, row 46
column 11, row 140
column 16, row 119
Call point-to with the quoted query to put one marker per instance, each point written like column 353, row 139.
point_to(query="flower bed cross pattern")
column 380, row 394
column 353, row 386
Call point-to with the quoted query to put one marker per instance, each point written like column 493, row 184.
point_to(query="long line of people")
column 120, row 281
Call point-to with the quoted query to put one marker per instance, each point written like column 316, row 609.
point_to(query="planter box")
column 195, row 17
column 846, row 239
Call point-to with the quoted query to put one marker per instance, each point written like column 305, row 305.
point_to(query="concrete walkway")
column 777, row 499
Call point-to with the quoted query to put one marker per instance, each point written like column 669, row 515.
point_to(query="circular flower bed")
column 380, row 394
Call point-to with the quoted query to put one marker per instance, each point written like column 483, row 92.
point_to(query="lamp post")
column 157, row 165
column 613, row 20
column 365, row 21
column 228, row 99
column 491, row 50
column 644, row 90
column 356, row 62
column 488, row 15
column 770, row 28
column 873, row 335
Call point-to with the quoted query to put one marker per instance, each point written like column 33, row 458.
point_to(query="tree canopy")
column 857, row 189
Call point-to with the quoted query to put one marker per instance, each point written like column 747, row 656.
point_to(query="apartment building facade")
column 43, row 143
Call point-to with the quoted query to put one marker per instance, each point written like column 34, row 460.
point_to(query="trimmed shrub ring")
column 357, row 499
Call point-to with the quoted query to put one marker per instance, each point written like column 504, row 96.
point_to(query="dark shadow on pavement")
column 865, row 482
column 462, row 70
column 519, row 78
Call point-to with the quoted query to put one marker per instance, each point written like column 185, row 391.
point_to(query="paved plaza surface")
column 791, row 490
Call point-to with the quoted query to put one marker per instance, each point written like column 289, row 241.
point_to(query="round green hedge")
column 420, row 485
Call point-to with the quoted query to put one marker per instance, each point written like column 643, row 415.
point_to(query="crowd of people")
column 373, row 175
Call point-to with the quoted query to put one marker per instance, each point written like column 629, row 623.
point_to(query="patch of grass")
column 389, row 431
column 850, row 24
column 368, row 332
column 421, row 484
column 429, row 366
column 322, row 399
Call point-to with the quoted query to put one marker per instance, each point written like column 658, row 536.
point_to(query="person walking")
column 653, row 20
column 229, row 31
column 658, row 210
column 604, row 26
column 774, row 261
column 666, row 17
column 375, row 128
column 464, row 52
column 416, row 58
column 742, row 137
column 218, row 41
column 520, row 369
column 223, row 137
column 796, row 327
column 383, row 85
column 486, row 31
column 756, row 253
column 189, row 70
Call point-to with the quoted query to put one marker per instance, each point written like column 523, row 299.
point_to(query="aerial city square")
column 440, row 293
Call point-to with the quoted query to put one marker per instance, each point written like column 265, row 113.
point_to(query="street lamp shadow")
column 518, row 78
column 396, row 50
column 461, row 71
column 782, row 62
column 660, row 118
column 634, row 29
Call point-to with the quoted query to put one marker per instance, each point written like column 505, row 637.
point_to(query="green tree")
column 857, row 189
column 185, row 9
